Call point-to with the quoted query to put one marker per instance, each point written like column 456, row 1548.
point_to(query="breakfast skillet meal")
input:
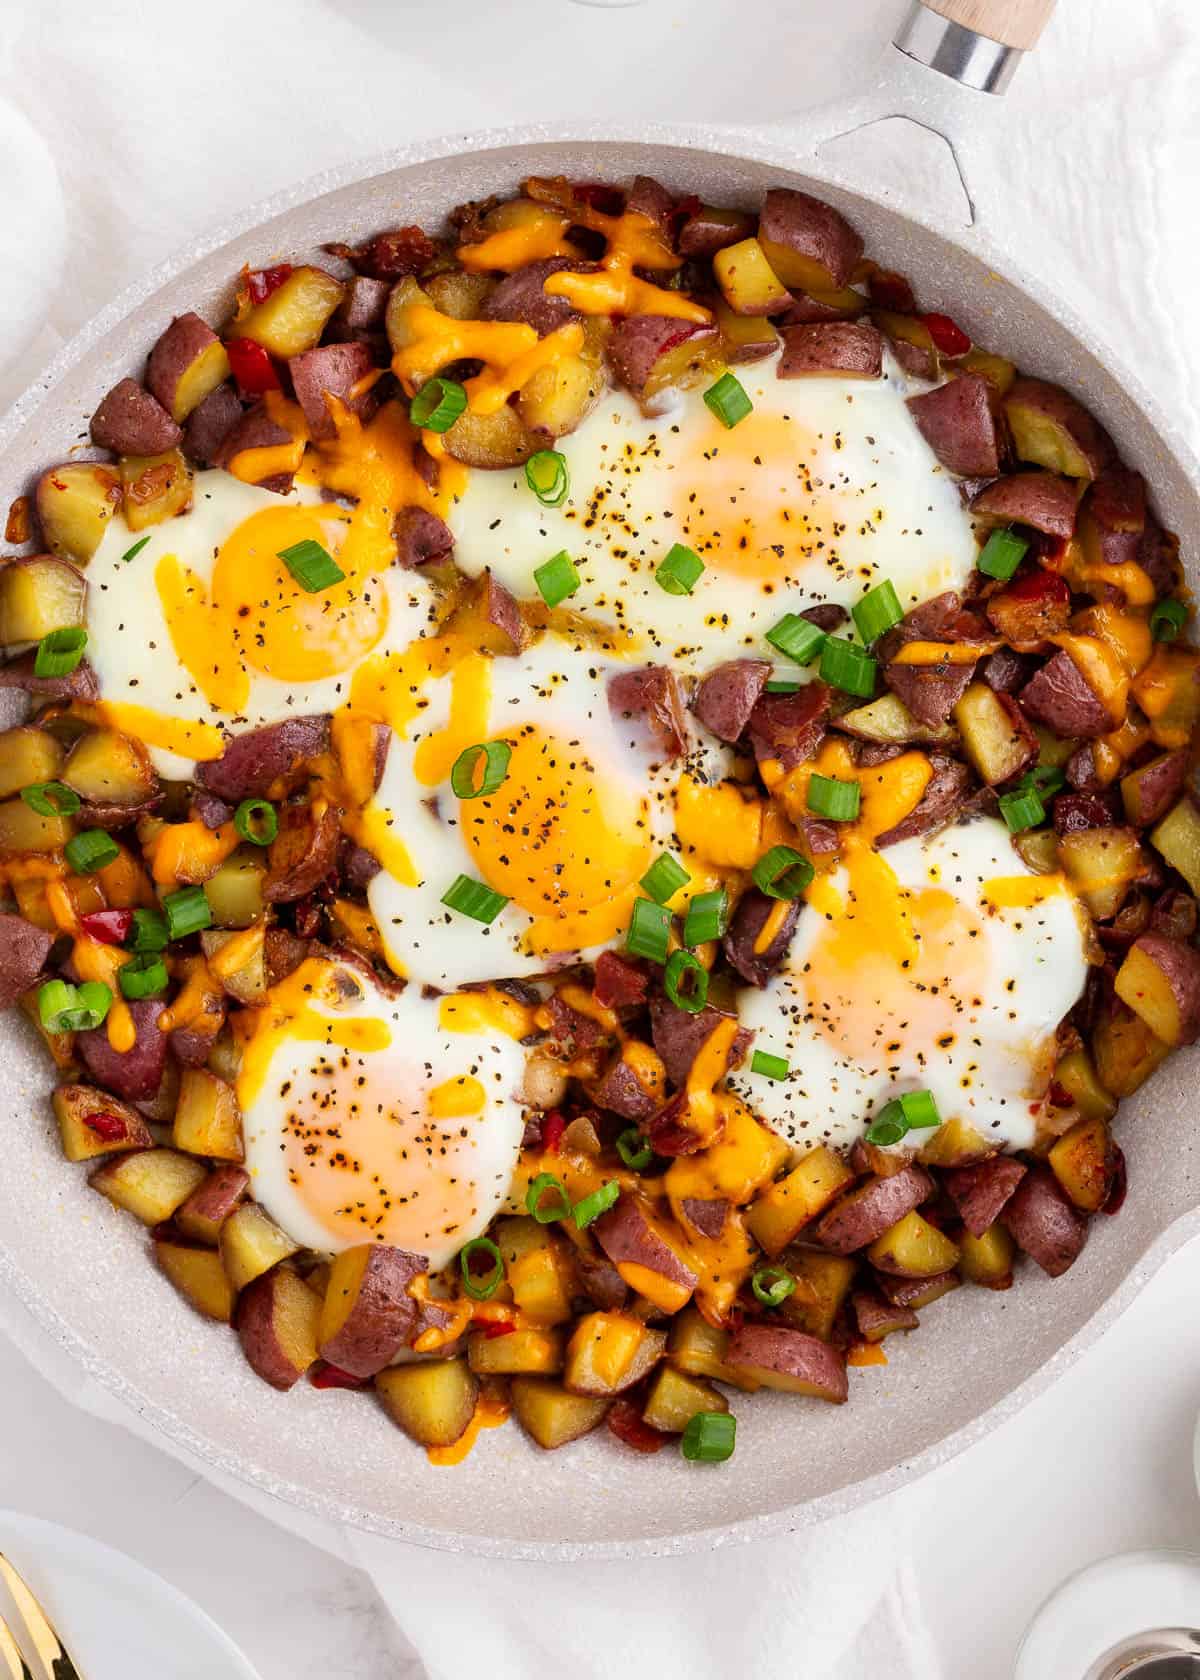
column 607, row 812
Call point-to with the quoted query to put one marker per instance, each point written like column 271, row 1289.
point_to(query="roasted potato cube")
column 1076, row 1073
column 1082, row 1161
column 368, row 1314
column 207, row 1118
column 432, row 1402
column 562, row 394
column 1038, row 849
column 791, row 1360
column 645, row 1255
column 235, row 891
column 92, row 1123
column 199, row 1276
column 822, row 1284
column 913, row 1248
column 988, row 1260
column 749, row 285
column 39, row 595
column 675, row 1398
column 529, row 1352
column 699, row 1348
column 187, row 362
column 955, row 1144
column 1149, row 792
column 1050, row 429
column 501, row 439
column 1168, row 691
column 889, row 720
column 1177, row 839
column 23, row 829
column 536, row 1270
column 997, row 370
column 995, row 737
column 293, row 317
column 208, row 1206
column 156, row 487
column 459, row 294
column 1126, row 1051
column 744, row 338
column 27, row 756
column 149, row 1183
column 108, row 768
column 247, row 983
column 609, row 1352
column 549, row 1415
column 1160, row 981
column 251, row 1243
column 74, row 505
column 277, row 1325
column 810, row 245
column 784, row 1207
column 1101, row 864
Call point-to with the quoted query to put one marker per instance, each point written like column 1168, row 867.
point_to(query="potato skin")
column 209, row 424
column 1176, row 965
column 1044, row 500
column 132, row 1074
column 256, row 758
column 130, row 421
column 381, row 1317
column 23, row 952
column 277, row 1327
column 815, row 232
column 627, row 1238
column 866, row 1213
column 186, row 364
column 957, row 423
column 981, row 1192
column 333, row 369
column 832, row 349
column 790, row 1354
column 727, row 696
column 1060, row 696
column 1043, row 1223
column 1035, row 408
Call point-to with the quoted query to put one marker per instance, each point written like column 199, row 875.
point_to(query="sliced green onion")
column 132, row 552
column 634, row 1149
column 187, row 911
column 829, row 797
column 494, row 756
column 727, row 399
column 782, row 873
column 546, row 475
column 256, row 820
column 143, row 976
column 545, row 1184
column 591, row 1207
column 797, row 638
column 64, row 1008
column 481, row 1286
column 1022, row 809
column 438, row 404
column 845, row 666
column 648, row 930
column 878, row 610
column 709, row 1437
column 772, row 1285
column 51, row 799
column 706, row 918
column 55, row 1000
column 664, row 878
column 1002, row 554
column 557, row 578
column 1167, row 620
column 771, row 1067
column 59, row 653
column 312, row 566
column 474, row 899
column 780, row 685
column 680, row 571
column 914, row 1111
column 690, row 994
column 91, row 850
column 149, row 931
column 1048, row 779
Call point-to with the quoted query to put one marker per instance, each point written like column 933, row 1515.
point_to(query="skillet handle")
column 976, row 42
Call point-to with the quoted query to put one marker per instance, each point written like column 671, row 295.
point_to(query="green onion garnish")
column 782, row 873
column 878, row 610
column 706, row 918
column 63, row 1008
column 829, row 797
column 312, row 566
column 772, row 1285
column 685, row 981
column 474, row 899
column 481, row 1286
column 591, row 1207
column 546, row 1184
column 913, row 1112
column 1002, row 554
column 634, row 1149
column 494, row 756
column 438, row 404
column 709, row 1437
column 149, row 931
column 664, row 878
column 51, row 799
column 649, row 928
column 780, row 685
column 1045, row 779
column 91, row 850
column 845, row 666
column 680, row 571
column 59, row 653
column 557, row 578
column 132, row 552
column 143, row 976
column 1022, row 809
column 797, row 638
column 1167, row 620
column 256, row 820
column 187, row 911
column 546, row 476
column 727, row 399
column 771, row 1067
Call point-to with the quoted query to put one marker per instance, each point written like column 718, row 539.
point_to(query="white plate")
column 117, row 1620
column 1106, row 1603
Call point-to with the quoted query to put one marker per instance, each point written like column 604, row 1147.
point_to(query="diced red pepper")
column 553, row 1127
column 252, row 367
column 947, row 335
column 332, row 1376
column 261, row 282
column 498, row 1327
column 1037, row 584
column 1120, row 1181
column 108, row 1127
column 627, row 1425
column 110, row 927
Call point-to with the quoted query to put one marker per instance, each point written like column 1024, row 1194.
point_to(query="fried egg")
column 826, row 489
column 375, row 1118
column 197, row 624
column 1000, row 958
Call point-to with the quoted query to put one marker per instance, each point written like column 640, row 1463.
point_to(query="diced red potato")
column 981, row 1192
column 808, row 243
column 1160, row 981
column 1060, row 696
column 620, row 982
column 630, row 1241
column 303, row 852
column 131, row 1074
column 1043, row 1223
column 653, row 695
column 743, row 936
column 639, row 343
column 420, row 538
column 958, row 424
column 930, row 692
column 1034, row 606
column 790, row 727
column 277, row 1317
column 679, row 1036
column 210, row 423
column 23, row 952
column 916, row 1292
column 1175, row 914
column 1050, row 429
column 187, row 363
column 256, row 430
column 866, row 1213
column 1112, row 521
column 808, row 308
column 130, row 421
column 831, row 349
column 1044, row 500
column 38, row 594
column 996, row 736
column 208, row 1206
column 744, row 338
column 362, row 307
column 1149, row 792
column 80, row 684
column 709, row 1217
column 258, row 758
column 340, row 371
column 943, row 799
column 1073, row 812
column 877, row 1318
column 368, row 1313
column 649, row 198
column 75, row 502
column 791, row 1360
column 727, row 695
column 749, row 285
column 500, row 611
column 707, row 231
column 522, row 296
column 624, row 1088
column 93, row 1123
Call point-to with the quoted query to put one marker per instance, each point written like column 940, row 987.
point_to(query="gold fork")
column 51, row 1654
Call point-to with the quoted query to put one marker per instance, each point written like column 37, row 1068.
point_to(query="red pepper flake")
column 332, row 1376
column 553, row 1127
column 110, row 1128
column 1120, row 1181
column 109, row 927
column 498, row 1327
column 261, row 282
column 627, row 1425
column 947, row 335
column 252, row 367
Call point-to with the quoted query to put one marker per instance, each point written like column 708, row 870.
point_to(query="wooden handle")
column 1014, row 23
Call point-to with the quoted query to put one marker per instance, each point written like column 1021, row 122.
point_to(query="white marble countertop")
column 1094, row 130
